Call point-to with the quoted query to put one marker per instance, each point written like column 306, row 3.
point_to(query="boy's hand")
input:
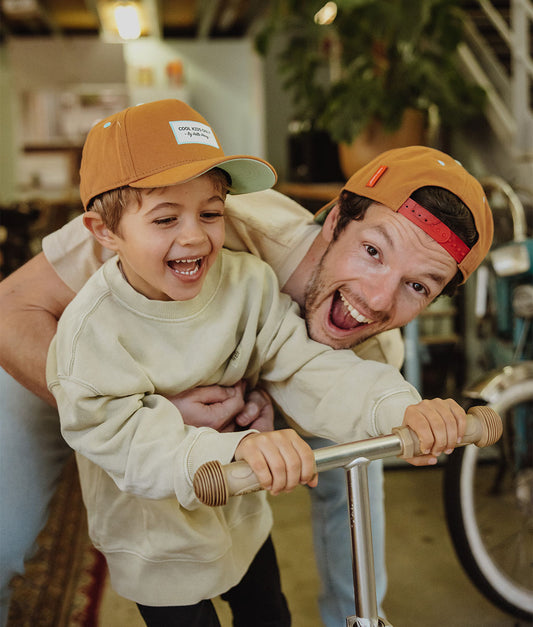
column 439, row 424
column 281, row 460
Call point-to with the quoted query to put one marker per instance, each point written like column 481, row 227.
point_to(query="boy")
column 174, row 311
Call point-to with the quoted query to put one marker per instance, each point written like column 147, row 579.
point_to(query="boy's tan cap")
column 393, row 176
column 158, row 144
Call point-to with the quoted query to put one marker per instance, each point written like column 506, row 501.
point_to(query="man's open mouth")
column 344, row 315
column 186, row 267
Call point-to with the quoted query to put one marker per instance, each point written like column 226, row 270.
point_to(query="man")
column 407, row 227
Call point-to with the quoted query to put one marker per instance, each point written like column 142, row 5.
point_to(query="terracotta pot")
column 374, row 140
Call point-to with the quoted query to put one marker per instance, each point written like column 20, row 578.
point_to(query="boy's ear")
column 94, row 222
column 330, row 223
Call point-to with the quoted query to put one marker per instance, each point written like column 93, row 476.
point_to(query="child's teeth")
column 354, row 313
column 193, row 270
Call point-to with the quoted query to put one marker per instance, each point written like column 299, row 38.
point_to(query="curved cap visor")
column 161, row 143
column 247, row 174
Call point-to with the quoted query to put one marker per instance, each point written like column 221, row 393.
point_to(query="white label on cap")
column 190, row 132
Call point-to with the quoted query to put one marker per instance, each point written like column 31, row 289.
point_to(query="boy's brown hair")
column 112, row 204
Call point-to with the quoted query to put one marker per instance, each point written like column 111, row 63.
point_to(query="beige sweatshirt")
column 117, row 353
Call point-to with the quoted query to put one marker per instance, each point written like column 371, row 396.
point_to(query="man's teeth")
column 354, row 313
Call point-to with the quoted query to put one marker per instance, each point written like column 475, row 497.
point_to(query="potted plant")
column 359, row 69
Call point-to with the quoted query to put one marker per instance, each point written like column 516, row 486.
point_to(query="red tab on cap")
column 377, row 175
column 436, row 229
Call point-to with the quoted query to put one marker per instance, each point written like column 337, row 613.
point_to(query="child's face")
column 167, row 245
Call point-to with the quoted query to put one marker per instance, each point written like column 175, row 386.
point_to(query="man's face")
column 379, row 274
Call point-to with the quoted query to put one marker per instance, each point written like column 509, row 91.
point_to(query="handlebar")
column 214, row 483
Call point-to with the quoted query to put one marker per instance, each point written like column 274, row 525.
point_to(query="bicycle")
column 214, row 484
column 499, row 559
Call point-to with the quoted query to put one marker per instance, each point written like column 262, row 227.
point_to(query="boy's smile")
column 167, row 245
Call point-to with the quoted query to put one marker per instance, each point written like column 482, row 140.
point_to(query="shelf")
column 431, row 340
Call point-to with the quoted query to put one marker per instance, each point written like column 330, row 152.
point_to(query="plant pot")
column 374, row 140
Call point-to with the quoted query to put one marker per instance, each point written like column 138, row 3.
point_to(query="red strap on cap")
column 436, row 229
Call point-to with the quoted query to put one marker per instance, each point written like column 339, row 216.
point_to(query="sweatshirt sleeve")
column 329, row 393
column 111, row 415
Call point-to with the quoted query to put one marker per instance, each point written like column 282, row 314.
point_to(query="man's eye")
column 418, row 287
column 373, row 252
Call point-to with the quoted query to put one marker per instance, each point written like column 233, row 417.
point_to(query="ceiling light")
column 126, row 21
column 326, row 14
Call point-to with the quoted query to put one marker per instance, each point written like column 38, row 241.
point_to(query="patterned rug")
column 64, row 582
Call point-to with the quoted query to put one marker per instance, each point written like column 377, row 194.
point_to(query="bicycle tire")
column 467, row 523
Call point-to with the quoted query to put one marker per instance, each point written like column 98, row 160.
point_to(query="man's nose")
column 381, row 294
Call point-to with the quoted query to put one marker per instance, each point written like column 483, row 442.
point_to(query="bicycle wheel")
column 479, row 484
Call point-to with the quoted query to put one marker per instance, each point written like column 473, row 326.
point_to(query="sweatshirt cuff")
column 388, row 410
column 208, row 446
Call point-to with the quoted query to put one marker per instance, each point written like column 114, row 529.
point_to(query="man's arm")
column 31, row 301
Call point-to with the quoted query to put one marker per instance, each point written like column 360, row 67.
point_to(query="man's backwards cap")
column 158, row 144
column 393, row 176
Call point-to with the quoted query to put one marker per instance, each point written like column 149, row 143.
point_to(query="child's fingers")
column 280, row 459
column 415, row 419
column 307, row 467
column 449, row 426
column 439, row 425
column 250, row 449
column 286, row 461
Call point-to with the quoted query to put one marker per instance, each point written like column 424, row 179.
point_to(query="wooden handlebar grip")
column 483, row 428
column 214, row 483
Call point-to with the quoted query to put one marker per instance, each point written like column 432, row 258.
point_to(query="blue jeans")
column 332, row 543
column 32, row 456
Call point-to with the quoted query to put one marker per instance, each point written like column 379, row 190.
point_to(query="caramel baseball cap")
column 158, row 144
column 393, row 176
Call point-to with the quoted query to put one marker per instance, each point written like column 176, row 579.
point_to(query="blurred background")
column 316, row 88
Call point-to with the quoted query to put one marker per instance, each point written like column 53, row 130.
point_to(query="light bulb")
column 127, row 20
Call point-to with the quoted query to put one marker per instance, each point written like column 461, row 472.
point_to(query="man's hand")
column 225, row 408
column 281, row 460
column 258, row 412
column 214, row 406
column 439, row 424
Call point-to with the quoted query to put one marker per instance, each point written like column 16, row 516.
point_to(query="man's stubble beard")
column 315, row 287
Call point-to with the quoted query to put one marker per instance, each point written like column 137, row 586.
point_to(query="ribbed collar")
column 162, row 309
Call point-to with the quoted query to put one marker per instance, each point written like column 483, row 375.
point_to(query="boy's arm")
column 31, row 301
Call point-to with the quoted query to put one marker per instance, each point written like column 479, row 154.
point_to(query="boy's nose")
column 190, row 233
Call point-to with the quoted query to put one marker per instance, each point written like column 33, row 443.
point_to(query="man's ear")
column 330, row 223
column 94, row 222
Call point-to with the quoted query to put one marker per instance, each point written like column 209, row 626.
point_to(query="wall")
column 223, row 81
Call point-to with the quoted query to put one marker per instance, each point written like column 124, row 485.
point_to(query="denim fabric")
column 31, row 459
column 332, row 543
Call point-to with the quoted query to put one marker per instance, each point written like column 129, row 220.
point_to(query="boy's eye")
column 164, row 220
column 212, row 215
